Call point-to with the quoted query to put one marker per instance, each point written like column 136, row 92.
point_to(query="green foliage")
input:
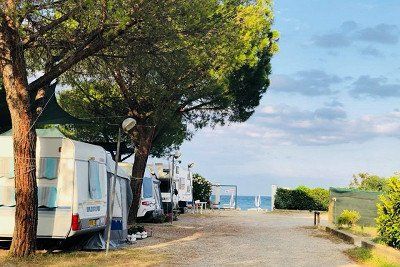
column 348, row 218
column 201, row 188
column 388, row 221
column 302, row 198
column 372, row 257
column 194, row 64
column 368, row 182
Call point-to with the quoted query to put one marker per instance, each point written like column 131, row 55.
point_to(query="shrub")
column 302, row 198
column 348, row 218
column 388, row 221
column 201, row 188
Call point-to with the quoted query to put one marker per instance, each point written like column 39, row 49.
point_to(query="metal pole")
column 113, row 182
column 172, row 194
column 191, row 185
column 235, row 197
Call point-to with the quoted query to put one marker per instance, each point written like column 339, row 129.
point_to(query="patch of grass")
column 360, row 254
column 370, row 257
column 364, row 231
column 129, row 256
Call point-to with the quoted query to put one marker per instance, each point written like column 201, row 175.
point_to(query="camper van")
column 163, row 174
column 150, row 206
column 72, row 186
column 182, row 186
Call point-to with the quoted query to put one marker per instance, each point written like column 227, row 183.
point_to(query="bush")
column 302, row 198
column 388, row 221
column 201, row 188
column 348, row 218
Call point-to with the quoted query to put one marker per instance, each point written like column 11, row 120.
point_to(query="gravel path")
column 246, row 238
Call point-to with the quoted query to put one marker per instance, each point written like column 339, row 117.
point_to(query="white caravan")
column 72, row 186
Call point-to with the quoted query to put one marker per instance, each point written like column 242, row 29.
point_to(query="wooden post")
column 315, row 218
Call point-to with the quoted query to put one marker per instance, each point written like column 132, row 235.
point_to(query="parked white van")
column 72, row 186
column 150, row 206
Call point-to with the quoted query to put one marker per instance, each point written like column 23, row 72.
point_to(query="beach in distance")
column 247, row 202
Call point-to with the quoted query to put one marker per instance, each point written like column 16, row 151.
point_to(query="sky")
column 332, row 109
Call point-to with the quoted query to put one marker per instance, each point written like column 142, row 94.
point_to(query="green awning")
column 52, row 114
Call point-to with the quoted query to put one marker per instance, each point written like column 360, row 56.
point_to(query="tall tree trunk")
column 143, row 139
column 13, row 70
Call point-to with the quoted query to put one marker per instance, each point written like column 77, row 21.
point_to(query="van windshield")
column 164, row 186
column 147, row 187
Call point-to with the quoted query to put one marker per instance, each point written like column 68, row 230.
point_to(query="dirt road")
column 246, row 238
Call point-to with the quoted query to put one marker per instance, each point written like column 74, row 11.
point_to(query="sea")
column 247, row 202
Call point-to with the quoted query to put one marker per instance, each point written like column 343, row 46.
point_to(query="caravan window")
column 7, row 196
column 165, row 186
column 6, row 167
column 94, row 180
column 48, row 168
column 47, row 196
column 147, row 187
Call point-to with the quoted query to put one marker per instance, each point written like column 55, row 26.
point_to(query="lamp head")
column 128, row 124
column 177, row 154
column 191, row 165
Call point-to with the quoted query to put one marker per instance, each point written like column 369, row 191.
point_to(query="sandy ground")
column 245, row 238
column 218, row 238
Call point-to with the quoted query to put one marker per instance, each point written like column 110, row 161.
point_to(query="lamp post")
column 190, row 166
column 127, row 126
column 172, row 177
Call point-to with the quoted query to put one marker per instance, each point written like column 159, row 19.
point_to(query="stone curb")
column 349, row 238
column 362, row 242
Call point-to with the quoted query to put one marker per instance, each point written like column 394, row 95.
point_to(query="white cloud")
column 377, row 87
column 288, row 125
column 308, row 83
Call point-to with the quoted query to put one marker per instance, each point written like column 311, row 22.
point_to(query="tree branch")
column 94, row 43
column 53, row 24
column 201, row 105
column 127, row 157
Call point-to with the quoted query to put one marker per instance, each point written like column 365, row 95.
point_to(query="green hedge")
column 388, row 221
column 302, row 198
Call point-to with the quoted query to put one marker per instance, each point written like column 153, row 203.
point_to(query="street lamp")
column 174, row 156
column 127, row 125
column 190, row 166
